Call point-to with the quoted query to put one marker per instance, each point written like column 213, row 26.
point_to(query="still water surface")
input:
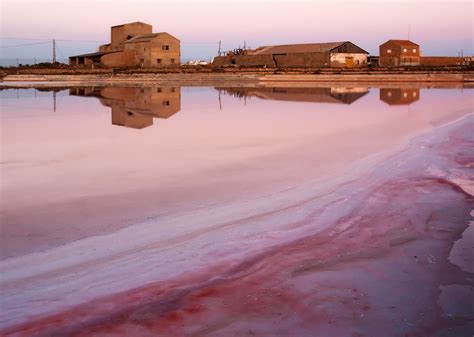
column 163, row 210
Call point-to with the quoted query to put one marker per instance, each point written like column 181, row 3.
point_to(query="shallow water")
column 168, row 211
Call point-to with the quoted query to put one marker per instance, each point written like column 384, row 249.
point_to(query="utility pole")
column 219, row 52
column 245, row 45
column 54, row 51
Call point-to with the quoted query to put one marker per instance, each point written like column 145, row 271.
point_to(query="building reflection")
column 341, row 95
column 399, row 96
column 135, row 107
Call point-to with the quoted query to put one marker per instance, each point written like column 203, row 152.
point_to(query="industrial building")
column 311, row 55
column 134, row 45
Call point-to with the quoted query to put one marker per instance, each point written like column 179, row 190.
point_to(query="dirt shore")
column 464, row 79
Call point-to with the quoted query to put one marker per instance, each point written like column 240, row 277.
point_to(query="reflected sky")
column 149, row 150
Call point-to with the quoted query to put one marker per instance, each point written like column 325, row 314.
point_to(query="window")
column 405, row 50
column 389, row 51
column 172, row 60
column 158, row 61
column 405, row 95
column 414, row 94
column 389, row 94
column 172, row 90
column 166, row 103
column 158, row 89
column 414, row 50
column 129, row 37
column 165, row 47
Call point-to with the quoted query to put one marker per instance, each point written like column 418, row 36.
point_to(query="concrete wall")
column 339, row 60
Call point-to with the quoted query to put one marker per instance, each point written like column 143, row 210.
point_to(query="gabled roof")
column 402, row 43
column 301, row 48
column 148, row 37
column 131, row 23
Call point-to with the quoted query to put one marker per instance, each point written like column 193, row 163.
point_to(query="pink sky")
column 440, row 27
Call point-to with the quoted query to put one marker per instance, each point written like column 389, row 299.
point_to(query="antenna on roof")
column 245, row 45
column 219, row 52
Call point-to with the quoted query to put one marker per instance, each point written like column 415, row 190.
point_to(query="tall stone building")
column 134, row 45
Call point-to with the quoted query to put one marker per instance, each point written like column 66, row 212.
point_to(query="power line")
column 26, row 44
column 64, row 40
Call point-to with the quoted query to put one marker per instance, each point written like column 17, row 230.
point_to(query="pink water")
column 249, row 212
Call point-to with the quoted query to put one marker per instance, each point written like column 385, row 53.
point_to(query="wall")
column 440, row 61
column 124, row 58
column 338, row 60
column 302, row 60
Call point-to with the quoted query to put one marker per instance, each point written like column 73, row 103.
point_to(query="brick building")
column 396, row 53
column 311, row 55
column 134, row 45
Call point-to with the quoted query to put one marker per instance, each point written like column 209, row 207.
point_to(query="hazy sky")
column 440, row 27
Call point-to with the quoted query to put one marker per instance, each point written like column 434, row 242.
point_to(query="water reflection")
column 399, row 96
column 341, row 95
column 135, row 107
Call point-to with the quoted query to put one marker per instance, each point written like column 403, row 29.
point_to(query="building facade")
column 311, row 55
column 134, row 45
column 399, row 53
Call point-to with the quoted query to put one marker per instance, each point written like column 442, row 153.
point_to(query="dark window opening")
column 172, row 89
column 165, row 47
column 129, row 37
column 158, row 89
column 129, row 113
column 166, row 103
column 232, row 61
column 172, row 60
column 158, row 61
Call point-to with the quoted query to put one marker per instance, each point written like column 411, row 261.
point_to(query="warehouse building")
column 310, row 55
